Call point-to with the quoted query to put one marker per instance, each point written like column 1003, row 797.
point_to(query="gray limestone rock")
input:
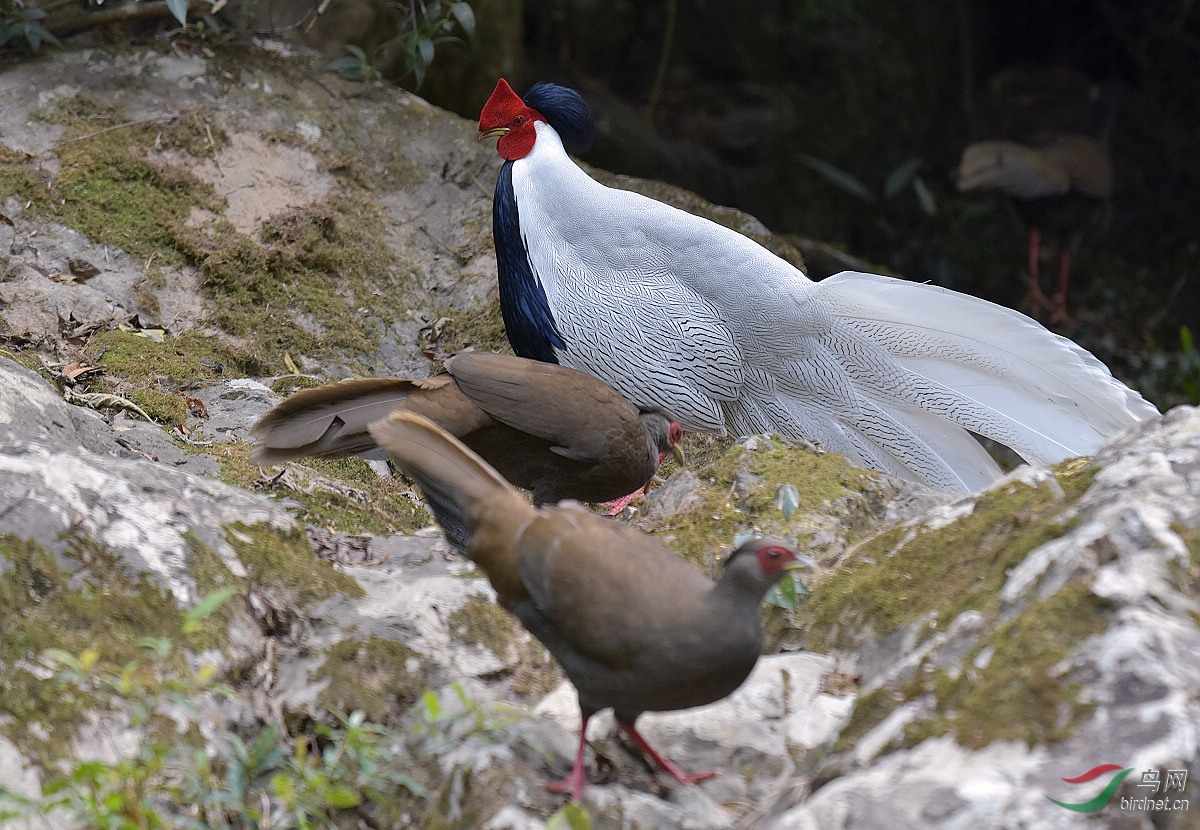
column 868, row 730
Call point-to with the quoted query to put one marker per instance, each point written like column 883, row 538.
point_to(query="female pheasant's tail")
column 328, row 421
column 481, row 514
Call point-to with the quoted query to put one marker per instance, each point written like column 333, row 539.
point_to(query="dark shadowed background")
column 728, row 99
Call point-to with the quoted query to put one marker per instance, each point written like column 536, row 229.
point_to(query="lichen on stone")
column 284, row 560
column 85, row 600
column 374, row 675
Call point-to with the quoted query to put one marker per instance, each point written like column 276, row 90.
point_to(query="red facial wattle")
column 505, row 115
column 773, row 559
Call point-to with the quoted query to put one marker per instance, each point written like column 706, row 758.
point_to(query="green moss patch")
column 344, row 493
column 1009, row 687
column 87, row 601
column 194, row 132
column 156, row 373
column 285, row 560
column 904, row 574
column 1187, row 573
column 18, row 176
column 111, row 193
column 481, row 327
column 320, row 281
column 287, row 384
column 372, row 675
column 107, row 188
column 482, row 622
column 709, row 530
column 1019, row 695
column 21, row 357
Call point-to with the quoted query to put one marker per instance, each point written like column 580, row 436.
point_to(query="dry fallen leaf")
column 77, row 371
column 196, row 406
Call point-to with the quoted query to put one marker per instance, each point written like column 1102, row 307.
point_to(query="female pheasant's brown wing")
column 583, row 418
column 610, row 591
column 331, row 421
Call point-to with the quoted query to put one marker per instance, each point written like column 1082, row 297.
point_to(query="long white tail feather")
column 995, row 371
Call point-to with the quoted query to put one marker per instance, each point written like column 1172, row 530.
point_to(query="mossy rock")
column 377, row 676
column 738, row 489
column 84, row 600
column 285, row 561
column 915, row 582
column 905, row 574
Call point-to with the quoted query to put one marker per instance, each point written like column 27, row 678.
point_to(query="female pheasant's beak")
column 494, row 132
column 677, row 454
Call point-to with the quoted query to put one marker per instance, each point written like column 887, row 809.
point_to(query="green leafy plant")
column 19, row 21
column 426, row 25
column 355, row 66
column 352, row 765
column 260, row 780
column 902, row 177
column 787, row 499
column 178, row 10
column 206, row 24
column 911, row 230
column 571, row 816
column 441, row 726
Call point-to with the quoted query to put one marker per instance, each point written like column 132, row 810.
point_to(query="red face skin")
column 773, row 559
column 505, row 115
column 676, row 433
column 675, row 437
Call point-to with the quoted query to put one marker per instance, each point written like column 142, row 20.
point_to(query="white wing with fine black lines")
column 678, row 312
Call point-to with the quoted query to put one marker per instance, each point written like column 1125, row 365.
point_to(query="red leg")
column 1035, row 251
column 576, row 780
column 662, row 762
column 1061, row 315
column 1035, row 299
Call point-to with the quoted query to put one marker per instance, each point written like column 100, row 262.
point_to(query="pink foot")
column 662, row 762
column 617, row 505
column 576, row 780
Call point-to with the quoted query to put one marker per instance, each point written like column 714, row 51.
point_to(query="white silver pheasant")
column 682, row 314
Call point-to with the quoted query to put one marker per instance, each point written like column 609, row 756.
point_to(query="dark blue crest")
column 566, row 112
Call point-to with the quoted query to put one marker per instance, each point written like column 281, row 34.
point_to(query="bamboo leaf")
column 900, row 177
column 836, row 176
column 787, row 499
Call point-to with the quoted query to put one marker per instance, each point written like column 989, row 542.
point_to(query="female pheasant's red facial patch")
column 774, row 558
column 675, row 435
column 505, row 115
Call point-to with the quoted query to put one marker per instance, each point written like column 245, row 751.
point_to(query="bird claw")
column 688, row 779
column 663, row 762
column 1059, row 315
column 1036, row 301
column 617, row 505
column 572, row 784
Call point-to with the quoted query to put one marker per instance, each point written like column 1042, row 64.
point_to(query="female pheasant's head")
column 512, row 119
